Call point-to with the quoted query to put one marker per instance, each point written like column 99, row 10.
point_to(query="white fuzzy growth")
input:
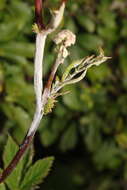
column 38, row 66
column 35, row 123
column 38, row 85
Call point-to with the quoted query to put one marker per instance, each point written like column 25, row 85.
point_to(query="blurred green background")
column 87, row 130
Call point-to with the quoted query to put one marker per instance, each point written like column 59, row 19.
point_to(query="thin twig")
column 79, row 67
column 59, row 60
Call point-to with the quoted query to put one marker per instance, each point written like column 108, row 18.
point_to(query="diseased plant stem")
column 38, row 66
column 38, row 85
column 38, row 63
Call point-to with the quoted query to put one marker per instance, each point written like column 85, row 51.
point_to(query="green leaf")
column 16, row 18
column 124, row 28
column 60, row 110
column 86, row 22
column 72, row 99
column 23, row 97
column 27, row 159
column 2, row 187
column 2, row 4
column 107, row 156
column 123, row 60
column 9, row 152
column 122, row 140
column 51, row 133
column 37, row 173
column 18, row 48
column 108, row 18
column 18, row 115
column 99, row 73
column 21, row 13
column 8, row 32
column 70, row 25
column 109, row 34
column 93, row 138
column 89, row 41
column 69, row 138
column 48, row 137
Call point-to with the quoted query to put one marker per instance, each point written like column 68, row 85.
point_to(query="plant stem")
column 16, row 158
column 58, row 61
column 38, row 14
column 38, row 62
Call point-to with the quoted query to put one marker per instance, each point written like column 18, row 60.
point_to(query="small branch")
column 79, row 67
column 59, row 60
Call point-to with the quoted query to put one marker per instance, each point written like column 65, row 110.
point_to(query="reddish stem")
column 12, row 165
column 51, row 77
column 38, row 13
column 64, row 1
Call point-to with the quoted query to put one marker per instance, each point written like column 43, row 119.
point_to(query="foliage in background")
column 25, row 176
column 87, row 129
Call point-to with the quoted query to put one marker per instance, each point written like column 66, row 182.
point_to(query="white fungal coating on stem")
column 38, row 68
